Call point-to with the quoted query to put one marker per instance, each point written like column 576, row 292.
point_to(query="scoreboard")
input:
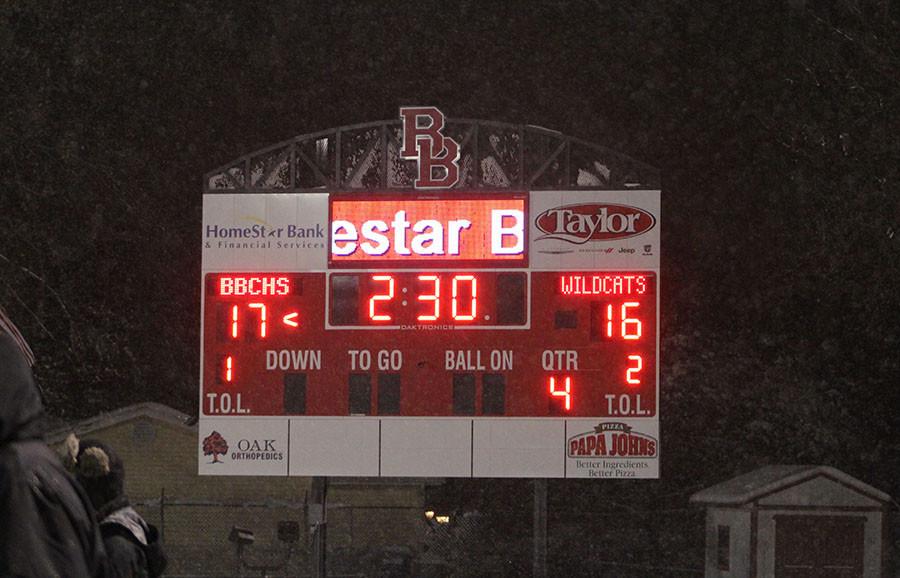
column 439, row 334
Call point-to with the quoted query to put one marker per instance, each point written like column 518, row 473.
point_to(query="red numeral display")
column 563, row 390
column 262, row 317
column 433, row 342
column 621, row 323
column 387, row 296
column 637, row 364
column 473, row 291
column 630, row 328
column 229, row 369
column 262, row 328
column 463, row 302
column 434, row 297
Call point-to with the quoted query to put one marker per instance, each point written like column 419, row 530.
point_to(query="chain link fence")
column 372, row 541
column 364, row 541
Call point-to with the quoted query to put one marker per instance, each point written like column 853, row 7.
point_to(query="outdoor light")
column 429, row 514
column 241, row 536
column 288, row 532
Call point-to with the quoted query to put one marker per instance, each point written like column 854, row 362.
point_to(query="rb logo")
column 424, row 141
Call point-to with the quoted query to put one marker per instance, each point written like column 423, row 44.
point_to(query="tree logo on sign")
column 215, row 445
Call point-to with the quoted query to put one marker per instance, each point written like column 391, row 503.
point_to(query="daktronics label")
column 479, row 231
column 579, row 224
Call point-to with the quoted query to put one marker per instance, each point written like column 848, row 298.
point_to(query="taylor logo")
column 424, row 140
column 215, row 445
column 579, row 224
column 612, row 440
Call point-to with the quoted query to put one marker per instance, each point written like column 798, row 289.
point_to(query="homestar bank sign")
column 456, row 320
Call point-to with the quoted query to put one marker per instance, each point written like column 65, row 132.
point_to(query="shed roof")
column 767, row 480
column 151, row 410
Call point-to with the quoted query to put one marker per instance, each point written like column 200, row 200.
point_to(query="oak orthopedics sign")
column 444, row 333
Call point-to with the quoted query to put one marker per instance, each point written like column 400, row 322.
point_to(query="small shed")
column 792, row 521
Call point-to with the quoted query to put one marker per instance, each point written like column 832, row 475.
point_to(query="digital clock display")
column 453, row 298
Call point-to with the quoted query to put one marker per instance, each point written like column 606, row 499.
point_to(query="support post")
column 162, row 515
column 540, row 529
column 318, row 521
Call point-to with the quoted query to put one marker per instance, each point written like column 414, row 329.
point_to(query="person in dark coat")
column 132, row 545
column 47, row 525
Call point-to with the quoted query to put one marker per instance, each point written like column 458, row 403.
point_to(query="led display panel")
column 449, row 334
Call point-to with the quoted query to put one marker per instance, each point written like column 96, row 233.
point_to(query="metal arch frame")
column 342, row 170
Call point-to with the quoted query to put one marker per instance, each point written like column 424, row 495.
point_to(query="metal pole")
column 162, row 515
column 540, row 528
column 318, row 516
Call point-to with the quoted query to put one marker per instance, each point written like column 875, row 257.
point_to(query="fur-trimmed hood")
column 129, row 519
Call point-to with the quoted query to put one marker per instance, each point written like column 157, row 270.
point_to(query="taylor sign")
column 593, row 222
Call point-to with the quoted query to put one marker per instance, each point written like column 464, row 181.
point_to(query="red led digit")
column 381, row 297
column 434, row 297
column 635, row 324
column 229, row 369
column 631, row 328
column 473, row 306
column 262, row 317
column 636, row 366
column 234, row 321
column 566, row 393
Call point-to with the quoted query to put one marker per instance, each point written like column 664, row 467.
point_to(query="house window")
column 723, row 549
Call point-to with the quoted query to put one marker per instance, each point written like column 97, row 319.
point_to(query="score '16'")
column 630, row 328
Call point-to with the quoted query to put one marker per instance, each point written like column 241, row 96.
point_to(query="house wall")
column 197, row 513
column 738, row 520
column 159, row 455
